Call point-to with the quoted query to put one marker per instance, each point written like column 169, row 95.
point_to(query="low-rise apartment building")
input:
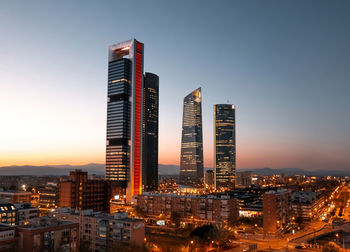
column 15, row 196
column 48, row 234
column 25, row 213
column 214, row 209
column 7, row 238
column 79, row 192
column 306, row 204
column 100, row 230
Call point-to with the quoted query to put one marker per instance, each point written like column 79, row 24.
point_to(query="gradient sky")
column 284, row 64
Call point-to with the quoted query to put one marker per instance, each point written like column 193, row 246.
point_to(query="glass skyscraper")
column 191, row 164
column 124, row 116
column 150, row 132
column 225, row 145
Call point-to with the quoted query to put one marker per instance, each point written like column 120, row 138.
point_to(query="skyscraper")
column 150, row 132
column 124, row 116
column 225, row 145
column 191, row 165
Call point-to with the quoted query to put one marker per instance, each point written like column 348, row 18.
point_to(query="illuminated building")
column 150, row 132
column 79, row 192
column 48, row 198
column 8, row 214
column 277, row 210
column 124, row 116
column 224, row 145
column 101, row 229
column 191, row 164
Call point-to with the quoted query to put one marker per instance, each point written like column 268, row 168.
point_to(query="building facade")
column 100, row 231
column 48, row 234
column 150, row 132
column 8, row 214
column 48, row 198
column 124, row 116
column 25, row 213
column 305, row 205
column 7, row 238
column 79, row 192
column 224, row 145
column 190, row 208
column 244, row 178
column 191, row 161
column 277, row 211
column 15, row 196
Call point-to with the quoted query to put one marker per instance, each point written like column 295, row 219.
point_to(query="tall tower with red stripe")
column 125, row 116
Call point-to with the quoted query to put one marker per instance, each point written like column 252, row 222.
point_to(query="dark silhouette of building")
column 191, row 165
column 150, row 132
column 225, row 145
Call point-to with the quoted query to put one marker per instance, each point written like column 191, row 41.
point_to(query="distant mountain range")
column 298, row 171
column 99, row 169
column 50, row 170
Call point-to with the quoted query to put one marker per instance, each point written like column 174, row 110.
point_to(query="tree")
column 331, row 247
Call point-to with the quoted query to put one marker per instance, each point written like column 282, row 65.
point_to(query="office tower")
column 224, row 145
column 124, row 116
column 191, row 164
column 150, row 132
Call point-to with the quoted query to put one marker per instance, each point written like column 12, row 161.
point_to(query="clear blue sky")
column 284, row 64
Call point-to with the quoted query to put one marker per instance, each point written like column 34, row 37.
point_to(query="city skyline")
column 287, row 75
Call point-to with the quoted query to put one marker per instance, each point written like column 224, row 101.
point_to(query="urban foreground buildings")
column 125, row 127
column 48, row 234
column 102, row 231
column 191, row 164
column 225, row 145
column 215, row 209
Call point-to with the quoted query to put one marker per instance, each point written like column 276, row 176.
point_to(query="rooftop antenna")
column 228, row 101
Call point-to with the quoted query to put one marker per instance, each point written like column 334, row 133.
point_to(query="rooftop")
column 44, row 222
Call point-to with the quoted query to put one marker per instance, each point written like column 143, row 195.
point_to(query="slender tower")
column 124, row 116
column 224, row 145
column 191, row 164
column 150, row 132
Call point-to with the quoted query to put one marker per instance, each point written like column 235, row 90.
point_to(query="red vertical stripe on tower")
column 138, row 118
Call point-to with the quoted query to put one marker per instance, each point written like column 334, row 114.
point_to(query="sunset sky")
column 284, row 64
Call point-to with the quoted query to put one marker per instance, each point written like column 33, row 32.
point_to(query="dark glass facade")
column 118, row 121
column 150, row 132
column 191, row 164
column 225, row 145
